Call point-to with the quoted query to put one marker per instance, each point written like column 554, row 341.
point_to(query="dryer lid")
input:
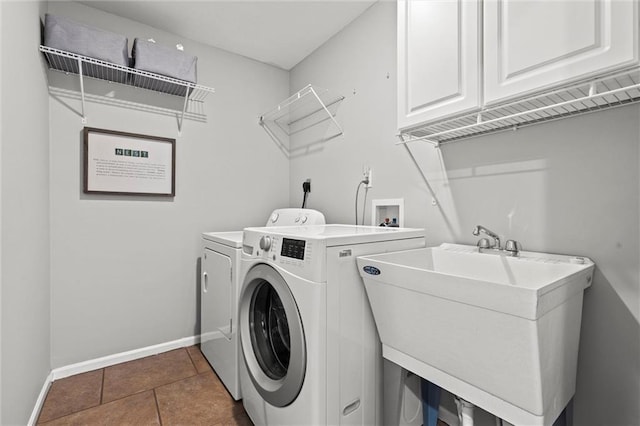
column 231, row 239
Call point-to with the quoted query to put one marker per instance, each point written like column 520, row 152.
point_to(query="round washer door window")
column 272, row 336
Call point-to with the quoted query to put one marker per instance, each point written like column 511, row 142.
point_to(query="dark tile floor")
column 173, row 388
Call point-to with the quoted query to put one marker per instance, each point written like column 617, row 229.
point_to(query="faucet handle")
column 484, row 243
column 513, row 247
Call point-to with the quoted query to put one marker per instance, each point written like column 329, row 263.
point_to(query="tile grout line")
column 38, row 422
column 102, row 386
column 92, row 407
column 155, row 397
column 192, row 361
column 135, row 393
column 154, row 388
column 196, row 367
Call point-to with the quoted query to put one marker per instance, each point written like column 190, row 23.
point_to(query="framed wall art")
column 123, row 163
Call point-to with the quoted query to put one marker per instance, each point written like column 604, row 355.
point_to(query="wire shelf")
column 70, row 63
column 83, row 66
column 607, row 91
column 301, row 112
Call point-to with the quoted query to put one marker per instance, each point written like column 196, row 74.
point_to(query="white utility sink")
column 501, row 332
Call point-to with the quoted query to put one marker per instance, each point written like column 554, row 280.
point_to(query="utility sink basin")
column 501, row 332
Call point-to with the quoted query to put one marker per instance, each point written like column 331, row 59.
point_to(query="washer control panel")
column 301, row 256
column 281, row 249
column 293, row 249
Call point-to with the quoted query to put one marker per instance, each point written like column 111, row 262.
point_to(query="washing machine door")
column 272, row 336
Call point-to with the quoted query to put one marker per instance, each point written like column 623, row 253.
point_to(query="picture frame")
column 122, row 163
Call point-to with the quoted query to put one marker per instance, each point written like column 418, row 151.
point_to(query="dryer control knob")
column 265, row 243
column 274, row 217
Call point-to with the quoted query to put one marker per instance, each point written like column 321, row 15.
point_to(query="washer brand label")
column 345, row 253
column 371, row 270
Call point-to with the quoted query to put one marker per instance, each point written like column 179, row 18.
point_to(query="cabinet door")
column 438, row 59
column 532, row 45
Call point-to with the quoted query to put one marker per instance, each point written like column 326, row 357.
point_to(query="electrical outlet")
column 369, row 175
column 366, row 175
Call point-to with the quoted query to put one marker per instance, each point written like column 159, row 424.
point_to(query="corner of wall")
column 25, row 350
column 1, row 97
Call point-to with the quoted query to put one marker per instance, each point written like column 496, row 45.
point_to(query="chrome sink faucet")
column 511, row 248
column 484, row 243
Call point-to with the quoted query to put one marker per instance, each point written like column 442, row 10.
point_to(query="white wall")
column 571, row 186
column 125, row 270
column 1, row 84
column 24, row 213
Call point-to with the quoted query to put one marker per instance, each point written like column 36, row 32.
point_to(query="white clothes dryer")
column 309, row 342
column 220, row 289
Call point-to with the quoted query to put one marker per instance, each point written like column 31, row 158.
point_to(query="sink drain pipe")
column 465, row 411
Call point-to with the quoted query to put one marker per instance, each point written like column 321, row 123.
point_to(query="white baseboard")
column 40, row 401
column 102, row 362
column 106, row 361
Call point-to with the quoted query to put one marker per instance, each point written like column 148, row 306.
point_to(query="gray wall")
column 125, row 270
column 571, row 186
column 24, row 212
column 122, row 272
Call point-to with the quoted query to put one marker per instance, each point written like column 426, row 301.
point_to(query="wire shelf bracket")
column 83, row 66
column 608, row 91
column 299, row 113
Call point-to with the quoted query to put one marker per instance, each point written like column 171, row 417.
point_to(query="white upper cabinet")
column 532, row 45
column 438, row 59
column 456, row 57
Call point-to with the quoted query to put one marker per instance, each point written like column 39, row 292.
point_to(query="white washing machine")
column 220, row 290
column 309, row 342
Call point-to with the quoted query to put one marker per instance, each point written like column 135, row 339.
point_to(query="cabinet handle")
column 205, row 282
